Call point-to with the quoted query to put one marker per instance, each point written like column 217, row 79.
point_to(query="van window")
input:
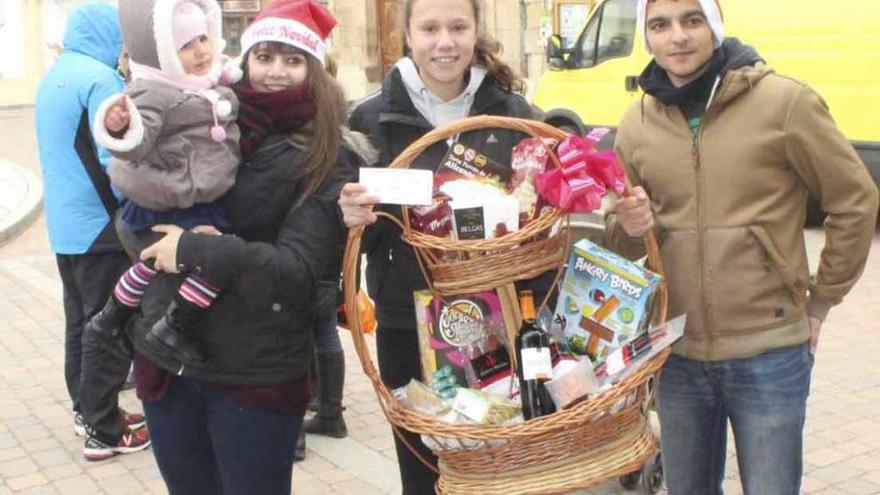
column 609, row 34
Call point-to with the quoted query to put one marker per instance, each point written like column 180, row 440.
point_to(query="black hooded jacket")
column 393, row 123
column 259, row 330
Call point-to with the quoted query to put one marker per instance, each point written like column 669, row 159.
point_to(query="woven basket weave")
column 578, row 447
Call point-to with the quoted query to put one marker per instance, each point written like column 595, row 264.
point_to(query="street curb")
column 25, row 189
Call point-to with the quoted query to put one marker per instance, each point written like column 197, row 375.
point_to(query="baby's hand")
column 117, row 117
column 206, row 229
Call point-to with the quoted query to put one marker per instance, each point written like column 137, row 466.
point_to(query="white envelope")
column 399, row 186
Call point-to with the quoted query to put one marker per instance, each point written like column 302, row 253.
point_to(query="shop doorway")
column 390, row 35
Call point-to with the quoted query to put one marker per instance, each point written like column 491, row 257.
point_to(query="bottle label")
column 536, row 364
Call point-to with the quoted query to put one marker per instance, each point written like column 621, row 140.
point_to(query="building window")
column 237, row 14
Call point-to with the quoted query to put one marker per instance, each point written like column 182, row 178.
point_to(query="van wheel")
column 630, row 481
column 652, row 475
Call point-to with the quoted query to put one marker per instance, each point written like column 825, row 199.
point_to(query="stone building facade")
column 367, row 40
column 369, row 32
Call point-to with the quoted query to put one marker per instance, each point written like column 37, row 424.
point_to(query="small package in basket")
column 605, row 300
column 464, row 163
column 460, row 343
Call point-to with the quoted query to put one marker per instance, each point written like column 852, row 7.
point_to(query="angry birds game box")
column 605, row 300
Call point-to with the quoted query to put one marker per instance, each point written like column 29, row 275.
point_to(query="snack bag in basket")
column 464, row 163
column 529, row 158
column 459, row 343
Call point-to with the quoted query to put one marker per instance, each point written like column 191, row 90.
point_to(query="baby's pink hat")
column 189, row 22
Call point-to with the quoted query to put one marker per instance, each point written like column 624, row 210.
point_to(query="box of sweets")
column 464, row 163
column 461, row 336
column 605, row 300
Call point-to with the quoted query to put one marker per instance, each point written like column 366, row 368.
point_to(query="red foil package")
column 530, row 157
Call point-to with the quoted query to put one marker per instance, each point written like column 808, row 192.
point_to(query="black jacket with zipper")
column 393, row 123
column 272, row 271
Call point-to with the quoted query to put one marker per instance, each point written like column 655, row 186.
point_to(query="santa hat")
column 304, row 24
column 188, row 23
column 711, row 10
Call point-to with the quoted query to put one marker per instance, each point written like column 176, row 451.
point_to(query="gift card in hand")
column 398, row 186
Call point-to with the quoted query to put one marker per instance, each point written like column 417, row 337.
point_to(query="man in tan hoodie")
column 725, row 153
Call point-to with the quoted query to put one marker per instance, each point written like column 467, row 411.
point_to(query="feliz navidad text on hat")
column 286, row 30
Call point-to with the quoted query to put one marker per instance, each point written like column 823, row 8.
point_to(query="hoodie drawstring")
column 219, row 108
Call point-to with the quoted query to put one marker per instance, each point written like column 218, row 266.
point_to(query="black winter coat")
column 260, row 328
column 393, row 123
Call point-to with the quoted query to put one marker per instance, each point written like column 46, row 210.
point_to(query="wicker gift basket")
column 583, row 445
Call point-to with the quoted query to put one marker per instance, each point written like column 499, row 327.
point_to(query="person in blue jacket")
column 79, row 204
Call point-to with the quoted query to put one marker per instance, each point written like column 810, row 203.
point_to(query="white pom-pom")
column 224, row 108
column 231, row 74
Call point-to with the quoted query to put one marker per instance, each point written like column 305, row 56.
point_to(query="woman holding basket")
column 451, row 71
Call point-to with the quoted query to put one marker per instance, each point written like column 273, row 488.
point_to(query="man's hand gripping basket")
column 584, row 445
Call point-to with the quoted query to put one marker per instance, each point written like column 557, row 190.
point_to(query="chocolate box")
column 462, row 334
column 605, row 300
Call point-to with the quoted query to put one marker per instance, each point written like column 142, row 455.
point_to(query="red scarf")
column 263, row 114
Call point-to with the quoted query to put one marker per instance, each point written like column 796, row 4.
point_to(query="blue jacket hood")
column 93, row 30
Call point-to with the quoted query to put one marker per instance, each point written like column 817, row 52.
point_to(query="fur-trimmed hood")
column 146, row 33
column 360, row 144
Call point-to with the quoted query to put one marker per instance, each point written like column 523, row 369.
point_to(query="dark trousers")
column 93, row 376
column 207, row 444
column 398, row 355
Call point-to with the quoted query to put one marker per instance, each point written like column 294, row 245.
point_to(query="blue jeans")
column 764, row 397
column 206, row 444
column 327, row 335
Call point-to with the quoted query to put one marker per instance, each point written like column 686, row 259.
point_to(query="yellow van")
column 832, row 45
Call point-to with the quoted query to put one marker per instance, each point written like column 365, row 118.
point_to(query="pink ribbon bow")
column 585, row 176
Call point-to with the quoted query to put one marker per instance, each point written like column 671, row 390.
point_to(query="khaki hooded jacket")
column 730, row 203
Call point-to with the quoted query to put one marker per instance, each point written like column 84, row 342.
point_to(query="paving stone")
column 24, row 482
column 13, row 453
column 124, row 484
column 859, row 487
column 76, row 485
column 355, row 486
column 52, row 457
column 825, row 457
column 17, row 467
column 61, row 471
column 40, row 490
column 104, row 470
column 837, row 473
column 809, row 484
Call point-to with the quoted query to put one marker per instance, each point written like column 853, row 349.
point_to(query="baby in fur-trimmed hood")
column 174, row 143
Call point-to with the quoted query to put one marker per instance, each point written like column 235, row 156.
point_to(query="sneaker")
column 79, row 425
column 132, row 421
column 133, row 441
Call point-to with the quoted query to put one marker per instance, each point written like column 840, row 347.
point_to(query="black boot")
column 172, row 333
column 331, row 378
column 107, row 327
column 299, row 453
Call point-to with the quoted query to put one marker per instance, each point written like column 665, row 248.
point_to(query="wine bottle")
column 535, row 365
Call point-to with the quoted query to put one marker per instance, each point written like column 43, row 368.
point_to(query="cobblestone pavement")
column 39, row 453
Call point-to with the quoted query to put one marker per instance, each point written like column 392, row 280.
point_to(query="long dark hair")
column 322, row 138
column 487, row 51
